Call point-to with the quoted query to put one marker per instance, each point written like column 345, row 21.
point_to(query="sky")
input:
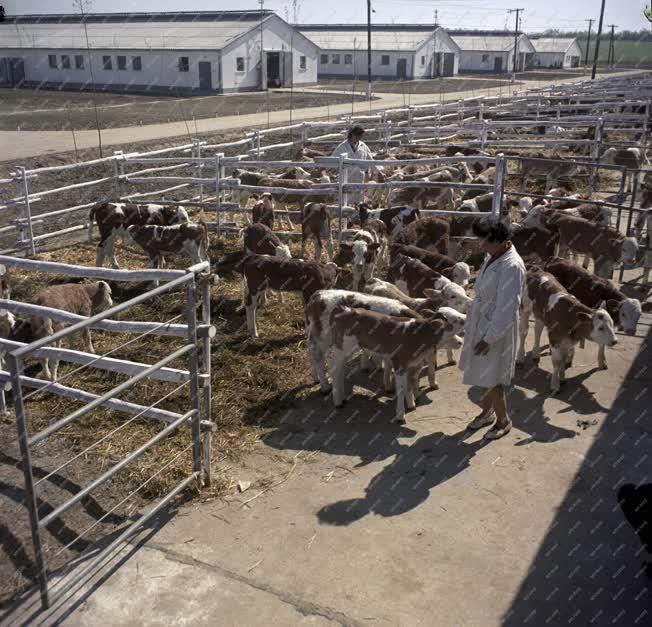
column 488, row 14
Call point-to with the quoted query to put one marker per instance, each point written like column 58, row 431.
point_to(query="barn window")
column 323, row 59
column 52, row 60
column 336, row 59
column 423, row 60
column 302, row 62
column 384, row 59
column 65, row 61
column 136, row 63
column 239, row 64
column 184, row 64
column 485, row 58
column 122, row 62
column 348, row 59
column 107, row 63
column 79, row 61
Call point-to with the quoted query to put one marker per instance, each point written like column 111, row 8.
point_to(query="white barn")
column 193, row 52
column 557, row 52
column 491, row 52
column 402, row 51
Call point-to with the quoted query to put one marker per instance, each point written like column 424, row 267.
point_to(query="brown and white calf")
column 545, row 216
column 114, row 219
column 362, row 253
column 84, row 299
column 262, row 272
column 156, row 241
column 412, row 277
column 428, row 233
column 568, row 322
column 315, row 226
column 605, row 245
column 457, row 271
column 593, row 291
column 534, row 243
column 263, row 211
column 406, row 343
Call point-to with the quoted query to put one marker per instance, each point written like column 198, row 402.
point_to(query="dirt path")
column 23, row 144
column 353, row 521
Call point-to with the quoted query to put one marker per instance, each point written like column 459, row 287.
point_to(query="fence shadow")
column 590, row 566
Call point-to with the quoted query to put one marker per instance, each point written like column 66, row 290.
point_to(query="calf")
column 263, row 211
column 394, row 219
column 156, row 241
column 534, row 243
column 419, row 196
column 287, row 275
column 315, row 225
column 568, row 322
column 114, row 219
column 630, row 158
column 551, row 169
column 457, row 271
column 605, row 245
column 429, row 233
column 84, row 299
column 5, row 285
column 362, row 253
column 413, row 277
column 480, row 203
column 543, row 215
column 406, row 343
column 593, row 291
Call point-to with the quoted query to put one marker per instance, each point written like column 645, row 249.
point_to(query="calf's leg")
column 338, row 363
column 557, row 368
column 602, row 359
column 401, row 385
column 538, row 330
column 317, row 365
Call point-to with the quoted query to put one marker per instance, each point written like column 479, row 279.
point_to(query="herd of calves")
column 401, row 321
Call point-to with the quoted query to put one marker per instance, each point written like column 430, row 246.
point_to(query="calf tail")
column 204, row 239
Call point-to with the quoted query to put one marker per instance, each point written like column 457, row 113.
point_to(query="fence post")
column 620, row 197
column 481, row 112
column 27, row 215
column 628, row 230
column 205, row 284
column 340, row 196
column 26, row 461
column 218, row 193
column 388, row 134
column 304, row 135
column 118, row 169
column 595, row 153
column 499, row 188
column 193, row 368
column 200, row 166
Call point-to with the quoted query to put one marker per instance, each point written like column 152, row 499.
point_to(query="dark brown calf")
column 294, row 275
column 535, row 242
column 428, row 233
column 316, row 225
column 456, row 271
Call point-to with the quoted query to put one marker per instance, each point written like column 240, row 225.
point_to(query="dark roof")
column 177, row 16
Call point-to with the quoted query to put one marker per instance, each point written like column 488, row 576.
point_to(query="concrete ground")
column 353, row 521
column 23, row 144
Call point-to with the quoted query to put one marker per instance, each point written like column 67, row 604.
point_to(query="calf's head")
column 456, row 319
column 364, row 257
column 630, row 250
column 461, row 273
column 602, row 327
column 101, row 298
column 283, row 252
column 629, row 311
column 175, row 215
column 7, row 322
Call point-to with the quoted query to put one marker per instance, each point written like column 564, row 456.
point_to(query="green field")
column 627, row 52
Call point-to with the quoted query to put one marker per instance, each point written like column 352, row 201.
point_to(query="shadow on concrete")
column 590, row 568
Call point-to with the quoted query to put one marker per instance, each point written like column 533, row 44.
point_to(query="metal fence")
column 180, row 377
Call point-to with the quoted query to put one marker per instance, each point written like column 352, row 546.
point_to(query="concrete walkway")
column 353, row 521
column 24, row 144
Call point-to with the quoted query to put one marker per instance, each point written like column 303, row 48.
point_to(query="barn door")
column 16, row 71
column 287, row 69
column 401, row 69
column 498, row 64
column 205, row 75
column 449, row 64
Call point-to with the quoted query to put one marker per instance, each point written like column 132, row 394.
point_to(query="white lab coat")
column 493, row 317
column 354, row 173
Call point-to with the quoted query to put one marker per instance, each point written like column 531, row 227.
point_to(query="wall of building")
column 474, row 61
column 278, row 37
column 429, row 49
column 159, row 69
column 358, row 65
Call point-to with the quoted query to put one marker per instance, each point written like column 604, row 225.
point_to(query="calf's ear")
column 647, row 307
column 583, row 317
column 430, row 293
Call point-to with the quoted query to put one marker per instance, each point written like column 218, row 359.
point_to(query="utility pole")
column 588, row 42
column 368, row 49
column 611, row 56
column 436, row 14
column 262, row 54
column 517, row 11
column 597, row 42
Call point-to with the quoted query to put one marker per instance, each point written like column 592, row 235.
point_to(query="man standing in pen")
column 354, row 148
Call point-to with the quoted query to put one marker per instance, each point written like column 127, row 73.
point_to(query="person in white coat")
column 354, row 148
column 491, row 329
